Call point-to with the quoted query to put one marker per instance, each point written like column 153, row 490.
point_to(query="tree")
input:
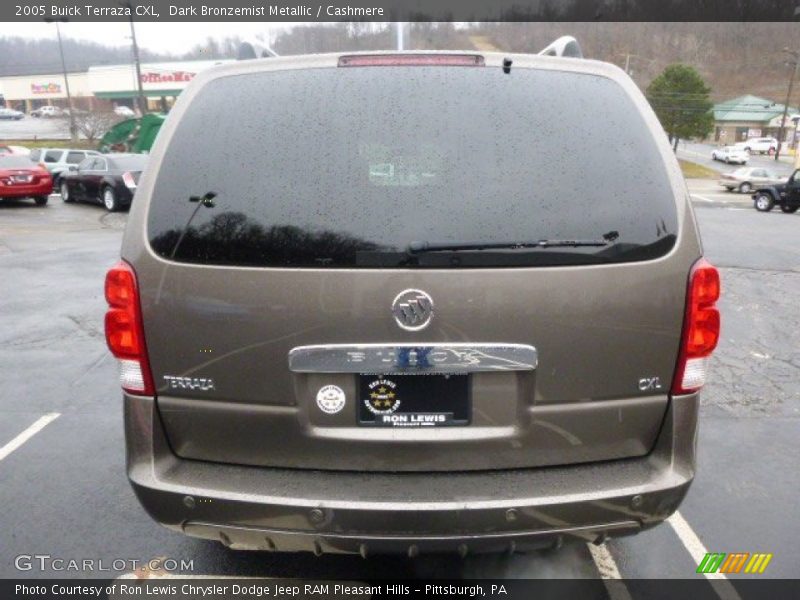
column 93, row 125
column 679, row 97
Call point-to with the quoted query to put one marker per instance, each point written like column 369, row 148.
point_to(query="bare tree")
column 93, row 125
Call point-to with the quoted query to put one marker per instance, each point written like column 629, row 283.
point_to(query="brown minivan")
column 411, row 302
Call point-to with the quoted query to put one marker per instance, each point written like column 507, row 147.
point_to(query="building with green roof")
column 750, row 116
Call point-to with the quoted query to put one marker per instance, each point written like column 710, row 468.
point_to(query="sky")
column 159, row 37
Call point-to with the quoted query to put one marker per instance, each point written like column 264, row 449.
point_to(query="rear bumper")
column 26, row 191
column 322, row 511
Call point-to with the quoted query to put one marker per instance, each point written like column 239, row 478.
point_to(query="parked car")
column 763, row 145
column 731, row 154
column 124, row 111
column 786, row 195
column 110, row 179
column 433, row 359
column 47, row 112
column 746, row 179
column 21, row 178
column 11, row 114
column 58, row 160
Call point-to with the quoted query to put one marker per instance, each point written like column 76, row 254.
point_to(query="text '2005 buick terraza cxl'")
column 399, row 310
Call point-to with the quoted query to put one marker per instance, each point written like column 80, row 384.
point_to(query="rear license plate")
column 21, row 178
column 413, row 400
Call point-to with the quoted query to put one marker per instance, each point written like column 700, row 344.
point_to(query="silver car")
column 747, row 179
column 59, row 160
column 730, row 154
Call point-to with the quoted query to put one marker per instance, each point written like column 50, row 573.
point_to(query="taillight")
column 700, row 328
column 124, row 330
column 412, row 60
column 128, row 180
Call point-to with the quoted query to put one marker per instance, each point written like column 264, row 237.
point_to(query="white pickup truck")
column 47, row 111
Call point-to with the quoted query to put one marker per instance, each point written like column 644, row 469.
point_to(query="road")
column 701, row 154
column 31, row 128
column 63, row 487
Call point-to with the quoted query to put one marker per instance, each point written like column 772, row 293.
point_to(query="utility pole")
column 140, row 99
column 628, row 56
column 72, row 130
column 794, row 64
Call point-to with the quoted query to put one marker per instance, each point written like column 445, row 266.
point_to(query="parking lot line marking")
column 703, row 198
column 609, row 572
column 697, row 549
column 23, row 437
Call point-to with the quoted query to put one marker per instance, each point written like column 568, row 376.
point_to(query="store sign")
column 167, row 77
column 45, row 88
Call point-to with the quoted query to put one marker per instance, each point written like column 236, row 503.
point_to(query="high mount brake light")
column 412, row 60
column 124, row 330
column 701, row 327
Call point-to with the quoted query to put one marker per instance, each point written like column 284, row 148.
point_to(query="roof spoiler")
column 253, row 49
column 564, row 46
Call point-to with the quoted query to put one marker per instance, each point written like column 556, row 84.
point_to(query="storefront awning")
column 135, row 93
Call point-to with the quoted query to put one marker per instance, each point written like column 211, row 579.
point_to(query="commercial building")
column 103, row 87
column 747, row 117
column 161, row 82
column 28, row 92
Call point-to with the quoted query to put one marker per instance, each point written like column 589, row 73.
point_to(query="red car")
column 21, row 178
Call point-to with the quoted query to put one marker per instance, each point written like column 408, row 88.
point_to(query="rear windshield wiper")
column 422, row 247
column 206, row 200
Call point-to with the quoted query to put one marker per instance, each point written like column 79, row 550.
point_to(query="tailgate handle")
column 412, row 358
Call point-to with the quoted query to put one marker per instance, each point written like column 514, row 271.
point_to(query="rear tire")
column 65, row 195
column 110, row 200
column 789, row 209
column 763, row 203
column 40, row 200
column 745, row 188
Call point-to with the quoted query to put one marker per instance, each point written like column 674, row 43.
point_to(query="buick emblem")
column 412, row 309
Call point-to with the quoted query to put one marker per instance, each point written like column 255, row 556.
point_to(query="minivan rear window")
column 411, row 167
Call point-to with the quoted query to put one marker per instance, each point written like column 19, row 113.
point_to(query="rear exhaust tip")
column 600, row 539
column 317, row 548
column 362, row 550
column 413, row 551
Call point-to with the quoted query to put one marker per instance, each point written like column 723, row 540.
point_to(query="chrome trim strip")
column 412, row 358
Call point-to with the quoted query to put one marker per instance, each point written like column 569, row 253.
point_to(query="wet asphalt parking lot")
column 62, row 479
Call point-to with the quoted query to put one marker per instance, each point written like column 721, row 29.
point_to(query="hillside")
column 734, row 58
